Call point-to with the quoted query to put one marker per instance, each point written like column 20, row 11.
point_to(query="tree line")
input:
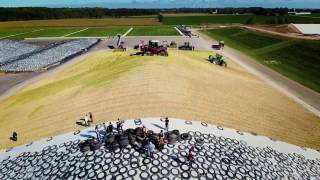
column 39, row 13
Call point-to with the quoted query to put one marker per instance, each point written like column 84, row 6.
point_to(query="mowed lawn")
column 294, row 58
column 10, row 32
column 49, row 32
column 102, row 31
column 154, row 31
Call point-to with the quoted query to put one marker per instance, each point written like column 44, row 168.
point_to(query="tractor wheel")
column 148, row 53
column 225, row 64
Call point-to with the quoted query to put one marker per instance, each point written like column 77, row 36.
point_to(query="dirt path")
column 303, row 95
column 269, row 30
column 290, row 35
column 7, row 81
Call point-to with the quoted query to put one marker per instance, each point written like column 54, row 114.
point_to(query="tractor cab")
column 153, row 44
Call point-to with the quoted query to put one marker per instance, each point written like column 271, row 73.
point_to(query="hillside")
column 184, row 85
column 295, row 58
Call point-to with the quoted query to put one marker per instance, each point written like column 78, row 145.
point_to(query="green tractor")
column 217, row 59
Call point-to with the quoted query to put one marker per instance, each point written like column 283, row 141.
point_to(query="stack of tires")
column 172, row 136
column 114, row 142
column 123, row 140
column 138, row 132
column 89, row 145
column 153, row 137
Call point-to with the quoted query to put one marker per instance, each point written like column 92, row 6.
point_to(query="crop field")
column 184, row 85
column 81, row 23
column 154, row 31
column 294, row 58
column 243, row 19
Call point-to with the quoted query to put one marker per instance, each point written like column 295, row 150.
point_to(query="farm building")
column 299, row 13
column 305, row 29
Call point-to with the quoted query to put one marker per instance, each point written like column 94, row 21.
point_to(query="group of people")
column 109, row 129
column 149, row 144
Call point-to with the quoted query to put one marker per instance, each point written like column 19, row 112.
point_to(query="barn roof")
column 308, row 29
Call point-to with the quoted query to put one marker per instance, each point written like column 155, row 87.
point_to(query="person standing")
column 151, row 148
column 105, row 128
column 14, row 136
column 161, row 143
column 167, row 123
column 98, row 133
column 110, row 128
column 86, row 120
column 121, row 125
column 161, row 134
column 144, row 131
column 190, row 156
column 90, row 117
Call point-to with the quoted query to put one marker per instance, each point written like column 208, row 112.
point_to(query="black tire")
column 204, row 124
column 101, row 175
column 154, row 170
column 123, row 143
column 176, row 132
column 110, row 139
column 114, row 146
column 132, row 173
column 95, row 146
column 185, row 175
column 185, row 136
column 139, row 139
column 84, row 147
column 144, row 175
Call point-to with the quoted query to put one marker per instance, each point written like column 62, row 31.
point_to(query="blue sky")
column 162, row 3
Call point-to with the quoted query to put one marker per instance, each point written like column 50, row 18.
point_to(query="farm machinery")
column 218, row 60
column 185, row 30
column 186, row 46
column 218, row 46
column 152, row 48
column 172, row 44
column 120, row 45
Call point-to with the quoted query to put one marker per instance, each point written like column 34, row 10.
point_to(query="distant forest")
column 38, row 13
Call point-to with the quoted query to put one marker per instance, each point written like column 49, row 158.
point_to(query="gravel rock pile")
column 50, row 56
column 10, row 50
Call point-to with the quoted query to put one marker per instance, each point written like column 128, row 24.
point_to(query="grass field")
column 48, row 32
column 102, row 31
column 90, row 32
column 183, row 85
column 154, row 31
column 8, row 32
column 294, row 58
column 243, row 19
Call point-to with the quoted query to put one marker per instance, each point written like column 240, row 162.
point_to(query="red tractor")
column 153, row 48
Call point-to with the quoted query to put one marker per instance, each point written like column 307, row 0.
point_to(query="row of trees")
column 31, row 13
column 250, row 10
